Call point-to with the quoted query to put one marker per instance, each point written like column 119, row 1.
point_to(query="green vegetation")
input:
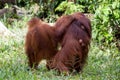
column 104, row 56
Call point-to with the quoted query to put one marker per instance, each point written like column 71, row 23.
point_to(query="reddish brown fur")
column 61, row 26
column 40, row 41
column 75, row 43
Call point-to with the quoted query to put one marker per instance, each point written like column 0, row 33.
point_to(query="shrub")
column 69, row 7
column 106, row 22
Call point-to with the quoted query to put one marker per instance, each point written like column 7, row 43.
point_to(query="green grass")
column 103, row 64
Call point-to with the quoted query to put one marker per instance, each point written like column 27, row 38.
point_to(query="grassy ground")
column 102, row 64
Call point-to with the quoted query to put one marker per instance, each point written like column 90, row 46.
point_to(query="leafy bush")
column 69, row 7
column 106, row 21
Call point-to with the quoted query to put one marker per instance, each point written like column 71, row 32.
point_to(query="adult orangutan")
column 74, row 40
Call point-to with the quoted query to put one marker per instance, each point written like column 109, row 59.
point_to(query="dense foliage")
column 107, row 22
